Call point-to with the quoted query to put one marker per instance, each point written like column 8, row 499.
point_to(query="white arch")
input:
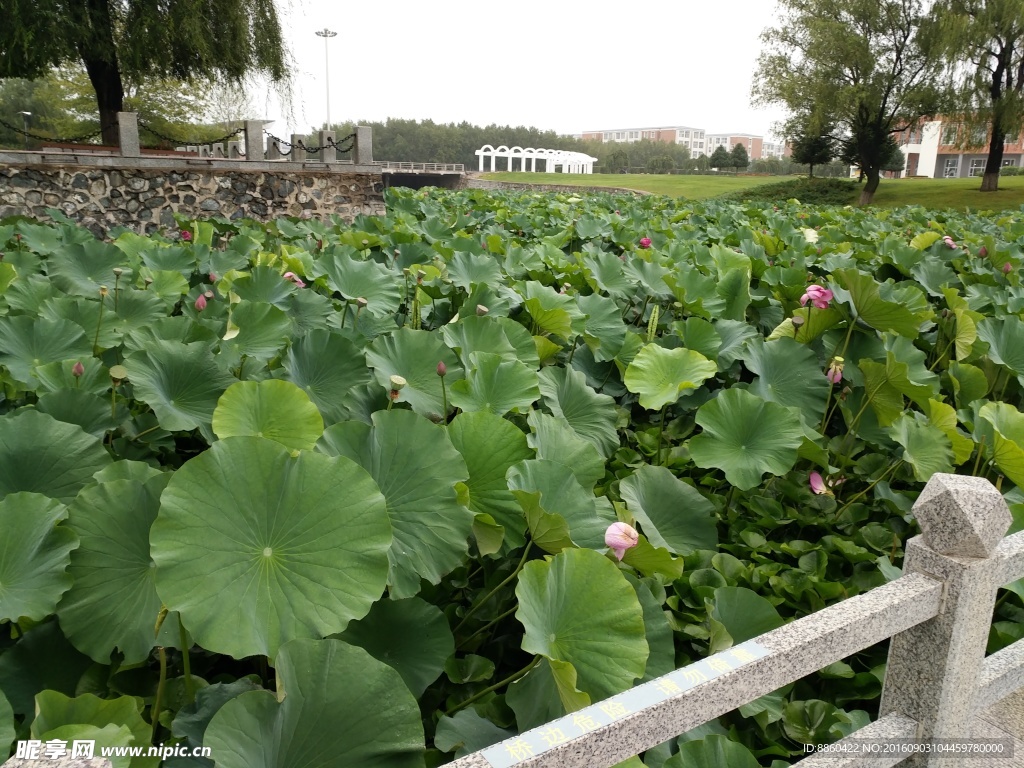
column 570, row 162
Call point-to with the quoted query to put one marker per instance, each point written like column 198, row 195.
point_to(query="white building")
column 935, row 149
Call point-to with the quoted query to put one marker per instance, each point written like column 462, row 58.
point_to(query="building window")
column 979, row 135
column 1011, row 161
column 952, row 168
column 949, row 132
column 977, row 166
column 607, row 137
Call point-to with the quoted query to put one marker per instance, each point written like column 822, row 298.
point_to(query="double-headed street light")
column 327, row 34
column 24, row 123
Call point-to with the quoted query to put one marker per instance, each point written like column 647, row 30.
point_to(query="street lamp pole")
column 24, row 124
column 327, row 34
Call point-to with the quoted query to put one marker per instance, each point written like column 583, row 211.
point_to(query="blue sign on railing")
column 539, row 740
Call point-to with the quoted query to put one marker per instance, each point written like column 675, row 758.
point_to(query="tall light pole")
column 24, row 124
column 327, row 34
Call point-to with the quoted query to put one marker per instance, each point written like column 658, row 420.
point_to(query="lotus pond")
column 315, row 493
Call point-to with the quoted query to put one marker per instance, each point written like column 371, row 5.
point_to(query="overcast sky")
column 552, row 64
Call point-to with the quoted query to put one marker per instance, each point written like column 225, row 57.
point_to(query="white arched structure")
column 570, row 162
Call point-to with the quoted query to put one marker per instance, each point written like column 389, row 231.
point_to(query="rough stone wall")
column 146, row 200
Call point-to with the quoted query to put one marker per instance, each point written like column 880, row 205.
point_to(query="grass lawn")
column 930, row 193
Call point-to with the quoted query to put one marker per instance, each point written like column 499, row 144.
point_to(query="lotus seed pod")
column 118, row 271
column 397, row 383
column 481, row 310
column 118, row 373
column 361, row 302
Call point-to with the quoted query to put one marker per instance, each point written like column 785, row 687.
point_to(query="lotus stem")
column 493, row 621
column 344, row 313
column 875, row 482
column 99, row 323
column 158, row 699
column 661, row 433
column 186, row 663
column 117, row 283
column 444, row 400
column 500, row 684
column 493, row 592
column 977, row 461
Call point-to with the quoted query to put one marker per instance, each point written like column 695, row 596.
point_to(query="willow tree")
column 983, row 41
column 867, row 67
column 117, row 40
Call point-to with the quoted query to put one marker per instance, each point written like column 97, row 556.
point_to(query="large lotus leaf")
column 7, row 732
column 673, row 514
column 34, row 561
column 496, row 385
column 414, row 356
column 969, row 383
column 28, row 342
column 327, row 367
column 743, row 613
column 550, row 311
column 660, row 639
column 604, row 331
column 275, row 409
column 42, row 455
column 380, row 286
column 745, row 437
column 1005, row 338
column 1005, row 427
column 255, row 546
column 661, row 375
column 411, row 636
column 180, row 382
column 82, row 268
column 577, row 607
column 417, row 468
column 548, row 487
column 84, row 409
column 29, row 293
column 943, row 416
column 520, row 338
column 54, row 711
column 591, row 415
column 192, row 720
column 340, row 706
column 490, row 445
column 264, row 284
column 546, row 693
column 113, row 602
column 552, row 438
column 877, row 312
column 127, row 470
column 606, row 273
column 788, row 373
column 713, row 751
column 462, row 733
column 175, row 328
column 467, row 269
column 99, row 325
column 478, row 334
column 42, row 659
column 263, row 330
column 54, row 377
column 925, row 447
column 733, row 284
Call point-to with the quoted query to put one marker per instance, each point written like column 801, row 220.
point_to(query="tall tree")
column 740, row 158
column 983, row 41
column 721, row 158
column 813, row 148
column 140, row 39
column 866, row 66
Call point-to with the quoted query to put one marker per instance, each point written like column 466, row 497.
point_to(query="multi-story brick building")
column 940, row 148
column 690, row 137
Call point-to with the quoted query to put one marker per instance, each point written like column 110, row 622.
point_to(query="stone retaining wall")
column 145, row 199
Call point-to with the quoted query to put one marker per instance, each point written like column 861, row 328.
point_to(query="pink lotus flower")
column 77, row 369
column 294, row 278
column 949, row 241
column 645, row 242
column 186, row 235
column 213, row 277
column 818, row 295
column 818, row 485
column 619, row 537
column 835, row 370
column 1007, row 268
column 201, row 303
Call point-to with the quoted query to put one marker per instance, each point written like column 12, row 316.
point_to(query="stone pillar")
column 363, row 154
column 298, row 153
column 934, row 667
column 328, row 154
column 128, row 134
column 253, row 139
column 273, row 150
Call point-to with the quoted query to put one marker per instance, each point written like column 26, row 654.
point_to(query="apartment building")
column 753, row 144
column 690, row 137
column 942, row 149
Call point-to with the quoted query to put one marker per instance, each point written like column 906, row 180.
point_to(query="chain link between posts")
column 159, row 135
column 344, row 144
column 57, row 140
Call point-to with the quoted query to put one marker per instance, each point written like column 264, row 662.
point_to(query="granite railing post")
column 363, row 154
column 254, row 140
column 934, row 667
column 128, row 134
column 328, row 154
column 298, row 154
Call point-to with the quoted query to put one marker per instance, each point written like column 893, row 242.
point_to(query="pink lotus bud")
column 442, row 369
column 213, row 277
column 186, row 235
column 77, row 369
column 818, row 485
column 201, row 303
column 1007, row 268
column 645, row 242
column 835, row 370
column 619, row 537
column 982, row 252
column 949, row 241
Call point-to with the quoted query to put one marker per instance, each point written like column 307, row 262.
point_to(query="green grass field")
column 930, row 193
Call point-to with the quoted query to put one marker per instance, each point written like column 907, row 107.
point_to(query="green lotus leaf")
column 879, row 313
column 943, row 416
column 606, row 273
column 660, row 639
column 98, row 325
column 328, row 367
column 577, row 607
column 192, row 720
column 380, row 286
column 550, row 311
column 81, row 269
column 27, row 343
column 700, row 336
column 746, row 437
column 42, row 659
column 1005, row 339
column 490, row 445
column 926, row 448
column 265, row 285
column 255, row 546
column 552, row 438
column 416, row 468
column 54, row 710
column 661, row 375
column 788, row 373
column 713, row 751
column 547, row 486
column 496, row 385
column 969, row 383
column 468, row 269
column 84, row 409
column 113, row 602
column 33, row 572
column 127, row 470
column 592, row 416
column 180, row 382
column 479, row 334
column 733, row 283
column 322, row 681
column 28, row 294
column 411, row 636
column 274, row 409
column 7, row 732
column 414, row 356
column 743, row 613
column 924, row 240
column 167, row 286
column 815, row 322
column 263, row 330
column 54, row 377
column 175, row 328
column 462, row 733
column 604, row 331
column 673, row 515
column 42, row 455
column 546, row 693
column 1004, row 426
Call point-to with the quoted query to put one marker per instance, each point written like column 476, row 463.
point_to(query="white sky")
column 552, row 64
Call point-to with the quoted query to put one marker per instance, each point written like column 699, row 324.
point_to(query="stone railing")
column 938, row 684
column 393, row 165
